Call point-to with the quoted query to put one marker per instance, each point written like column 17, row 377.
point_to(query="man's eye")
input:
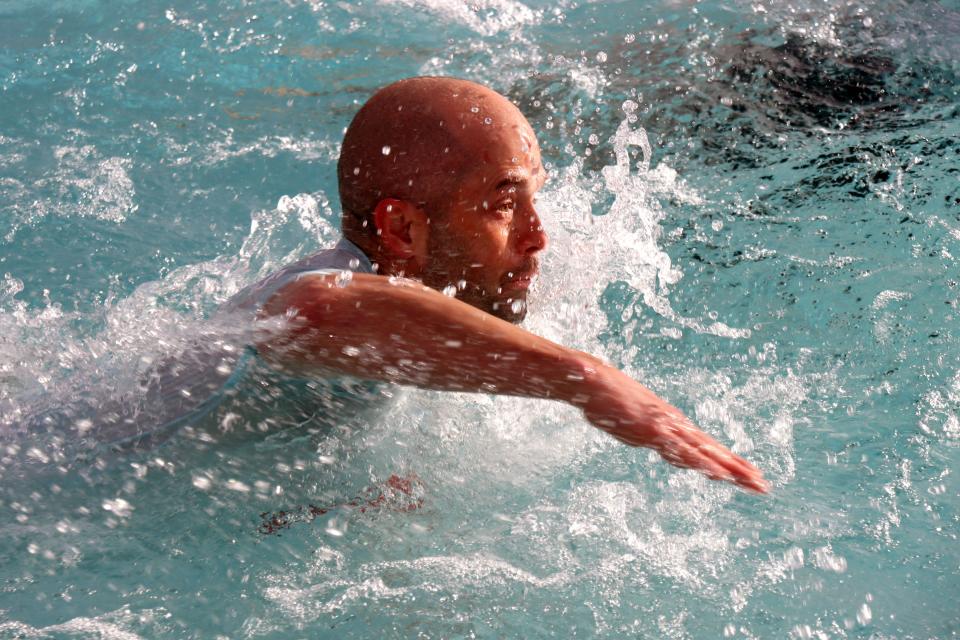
column 506, row 205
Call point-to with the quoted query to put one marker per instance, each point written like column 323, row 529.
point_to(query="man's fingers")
column 745, row 474
column 736, row 469
column 683, row 455
column 716, row 461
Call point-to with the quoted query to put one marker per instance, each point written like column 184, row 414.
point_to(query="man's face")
column 487, row 240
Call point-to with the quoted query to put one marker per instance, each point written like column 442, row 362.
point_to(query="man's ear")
column 403, row 229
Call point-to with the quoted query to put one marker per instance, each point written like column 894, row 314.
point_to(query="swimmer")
column 438, row 180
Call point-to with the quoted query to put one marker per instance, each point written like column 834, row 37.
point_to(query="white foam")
column 623, row 245
column 114, row 625
column 84, row 183
column 485, row 17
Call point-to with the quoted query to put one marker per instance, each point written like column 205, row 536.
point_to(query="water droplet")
column 474, row 109
column 864, row 615
column 385, row 150
column 629, row 38
column 450, row 291
column 354, row 263
column 601, row 57
column 593, row 139
column 201, row 482
column 461, row 284
column 454, row 344
column 517, row 306
column 344, row 278
column 351, row 351
column 488, row 120
column 356, row 171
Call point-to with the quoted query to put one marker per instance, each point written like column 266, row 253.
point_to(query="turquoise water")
column 778, row 259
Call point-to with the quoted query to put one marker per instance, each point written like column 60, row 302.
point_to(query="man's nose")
column 531, row 236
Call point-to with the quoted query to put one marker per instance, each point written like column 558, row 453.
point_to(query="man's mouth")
column 521, row 279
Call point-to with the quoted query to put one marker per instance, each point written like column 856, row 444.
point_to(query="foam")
column 485, row 17
column 84, row 183
column 114, row 625
column 623, row 244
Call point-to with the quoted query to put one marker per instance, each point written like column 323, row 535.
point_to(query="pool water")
column 754, row 208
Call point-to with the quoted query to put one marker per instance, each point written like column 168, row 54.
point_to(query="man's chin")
column 513, row 311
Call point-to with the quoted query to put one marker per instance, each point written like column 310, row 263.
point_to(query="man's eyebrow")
column 513, row 178
column 509, row 180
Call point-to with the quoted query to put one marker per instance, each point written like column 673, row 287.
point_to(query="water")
column 778, row 260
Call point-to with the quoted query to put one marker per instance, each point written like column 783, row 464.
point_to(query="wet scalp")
column 412, row 141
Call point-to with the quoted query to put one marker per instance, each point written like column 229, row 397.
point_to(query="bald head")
column 413, row 141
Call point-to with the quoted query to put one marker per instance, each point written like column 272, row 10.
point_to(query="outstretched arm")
column 400, row 331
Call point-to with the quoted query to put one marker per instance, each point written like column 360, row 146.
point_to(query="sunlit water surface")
column 754, row 208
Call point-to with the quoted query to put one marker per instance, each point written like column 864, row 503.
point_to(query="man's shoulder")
column 343, row 256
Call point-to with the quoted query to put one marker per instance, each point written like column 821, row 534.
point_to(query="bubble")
column 385, row 150
column 236, row 485
column 119, row 507
column 450, row 291
column 601, row 57
column 356, row 171
column 516, row 306
column 474, row 109
column 629, row 38
column 593, row 139
column 488, row 120
column 202, row 482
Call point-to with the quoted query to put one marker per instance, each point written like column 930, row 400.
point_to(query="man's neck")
column 384, row 265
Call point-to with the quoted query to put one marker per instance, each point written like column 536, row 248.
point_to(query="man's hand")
column 632, row 414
